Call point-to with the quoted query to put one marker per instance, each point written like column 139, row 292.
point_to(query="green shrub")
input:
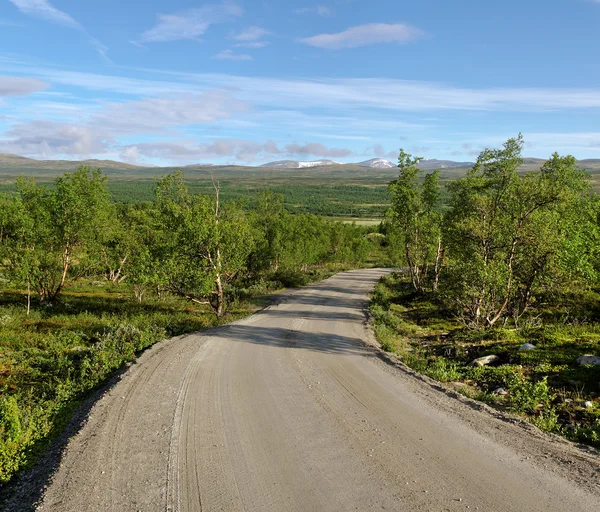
column 526, row 396
column 492, row 377
column 586, row 434
column 386, row 338
column 546, row 420
column 444, row 370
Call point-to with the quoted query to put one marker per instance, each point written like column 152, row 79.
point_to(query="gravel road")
column 290, row 410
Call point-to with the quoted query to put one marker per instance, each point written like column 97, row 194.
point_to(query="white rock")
column 527, row 346
column 485, row 360
column 500, row 392
column 588, row 359
column 589, row 404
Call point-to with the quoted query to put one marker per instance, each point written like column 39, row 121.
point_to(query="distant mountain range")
column 13, row 165
column 374, row 163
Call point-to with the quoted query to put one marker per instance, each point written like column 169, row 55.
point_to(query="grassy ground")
column 544, row 385
column 50, row 360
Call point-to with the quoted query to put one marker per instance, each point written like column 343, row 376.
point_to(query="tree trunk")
column 63, row 277
column 28, row 295
column 508, row 284
column 218, row 264
column 220, row 297
column 138, row 291
column 439, row 259
column 411, row 267
column 115, row 276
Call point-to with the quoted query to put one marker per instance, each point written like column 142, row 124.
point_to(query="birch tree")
column 414, row 211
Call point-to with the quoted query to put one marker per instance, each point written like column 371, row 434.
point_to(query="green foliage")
column 414, row 214
column 508, row 234
column 493, row 377
column 526, row 396
column 51, row 237
column 584, row 434
column 443, row 370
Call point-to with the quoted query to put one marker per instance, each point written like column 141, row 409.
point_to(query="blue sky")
column 250, row 81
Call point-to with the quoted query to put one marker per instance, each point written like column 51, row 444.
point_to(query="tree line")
column 504, row 238
column 190, row 244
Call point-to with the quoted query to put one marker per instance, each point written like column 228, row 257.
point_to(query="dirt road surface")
column 288, row 410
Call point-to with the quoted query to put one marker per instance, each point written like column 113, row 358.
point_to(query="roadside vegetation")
column 86, row 284
column 500, row 296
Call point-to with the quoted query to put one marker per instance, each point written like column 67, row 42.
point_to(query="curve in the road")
column 289, row 410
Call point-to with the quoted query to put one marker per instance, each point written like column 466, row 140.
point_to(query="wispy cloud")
column 251, row 37
column 251, row 34
column 543, row 143
column 45, row 10
column 229, row 55
column 328, row 93
column 20, row 86
column 50, row 138
column 321, row 10
column 84, row 132
column 560, row 141
column 316, row 149
column 363, row 35
column 252, row 44
column 158, row 114
column 242, row 150
column 190, row 24
column 380, row 152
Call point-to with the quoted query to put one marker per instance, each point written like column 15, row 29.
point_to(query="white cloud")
column 158, row 114
column 379, row 152
column 251, row 34
column 20, row 86
column 229, row 55
column 558, row 141
column 81, row 136
column 130, row 154
column 344, row 95
column 252, row 44
column 48, row 138
column 316, row 149
column 321, row 10
column 190, row 24
column 543, row 143
column 45, row 10
column 363, row 35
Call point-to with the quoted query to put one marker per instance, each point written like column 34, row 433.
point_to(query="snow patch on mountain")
column 377, row 163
